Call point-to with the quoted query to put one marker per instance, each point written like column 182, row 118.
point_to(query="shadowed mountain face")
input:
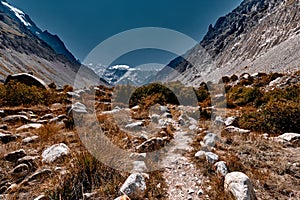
column 24, row 47
column 257, row 36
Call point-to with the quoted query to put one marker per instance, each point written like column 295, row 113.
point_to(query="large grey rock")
column 134, row 186
column 54, row 152
column 27, row 79
column 240, row 186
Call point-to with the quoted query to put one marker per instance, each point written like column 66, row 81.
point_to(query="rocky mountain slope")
column 24, row 47
column 257, row 36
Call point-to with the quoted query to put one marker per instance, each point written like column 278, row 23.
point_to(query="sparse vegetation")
column 18, row 94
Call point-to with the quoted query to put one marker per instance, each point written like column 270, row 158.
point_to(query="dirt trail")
column 181, row 176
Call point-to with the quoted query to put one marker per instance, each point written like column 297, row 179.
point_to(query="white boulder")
column 134, row 186
column 239, row 185
column 54, row 152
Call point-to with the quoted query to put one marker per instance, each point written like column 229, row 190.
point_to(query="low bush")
column 241, row 95
column 275, row 117
column 19, row 94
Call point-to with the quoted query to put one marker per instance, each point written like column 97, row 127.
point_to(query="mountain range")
column 257, row 36
column 26, row 48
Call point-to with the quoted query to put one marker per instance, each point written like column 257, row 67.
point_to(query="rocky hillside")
column 25, row 48
column 257, row 36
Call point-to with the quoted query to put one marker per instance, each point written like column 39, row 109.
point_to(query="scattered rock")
column 135, row 108
column 288, row 137
column 15, row 119
column 73, row 95
column 89, row 195
column 167, row 115
column 211, row 157
column 15, row 155
column 77, row 108
column 193, row 127
column 29, row 126
column 59, row 118
column 54, row 152
column 191, row 191
column 29, row 160
column 239, row 185
column 30, row 139
column 39, row 175
column 134, row 186
column 164, row 109
column 6, row 138
column 21, row 168
column 233, row 129
column 124, row 197
column 47, row 116
column 219, row 121
column 134, row 126
column 155, row 118
column 230, row 121
column 221, row 168
column 41, row 197
column 2, row 113
column 210, row 140
column 200, row 192
column 4, row 127
column 200, row 155
column 13, row 188
column 150, row 145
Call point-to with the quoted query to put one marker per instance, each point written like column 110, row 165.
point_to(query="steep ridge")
column 24, row 47
column 257, row 36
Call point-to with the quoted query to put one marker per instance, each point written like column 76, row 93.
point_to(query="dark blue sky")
column 84, row 24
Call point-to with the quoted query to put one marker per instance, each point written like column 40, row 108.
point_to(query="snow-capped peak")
column 122, row 67
column 19, row 14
